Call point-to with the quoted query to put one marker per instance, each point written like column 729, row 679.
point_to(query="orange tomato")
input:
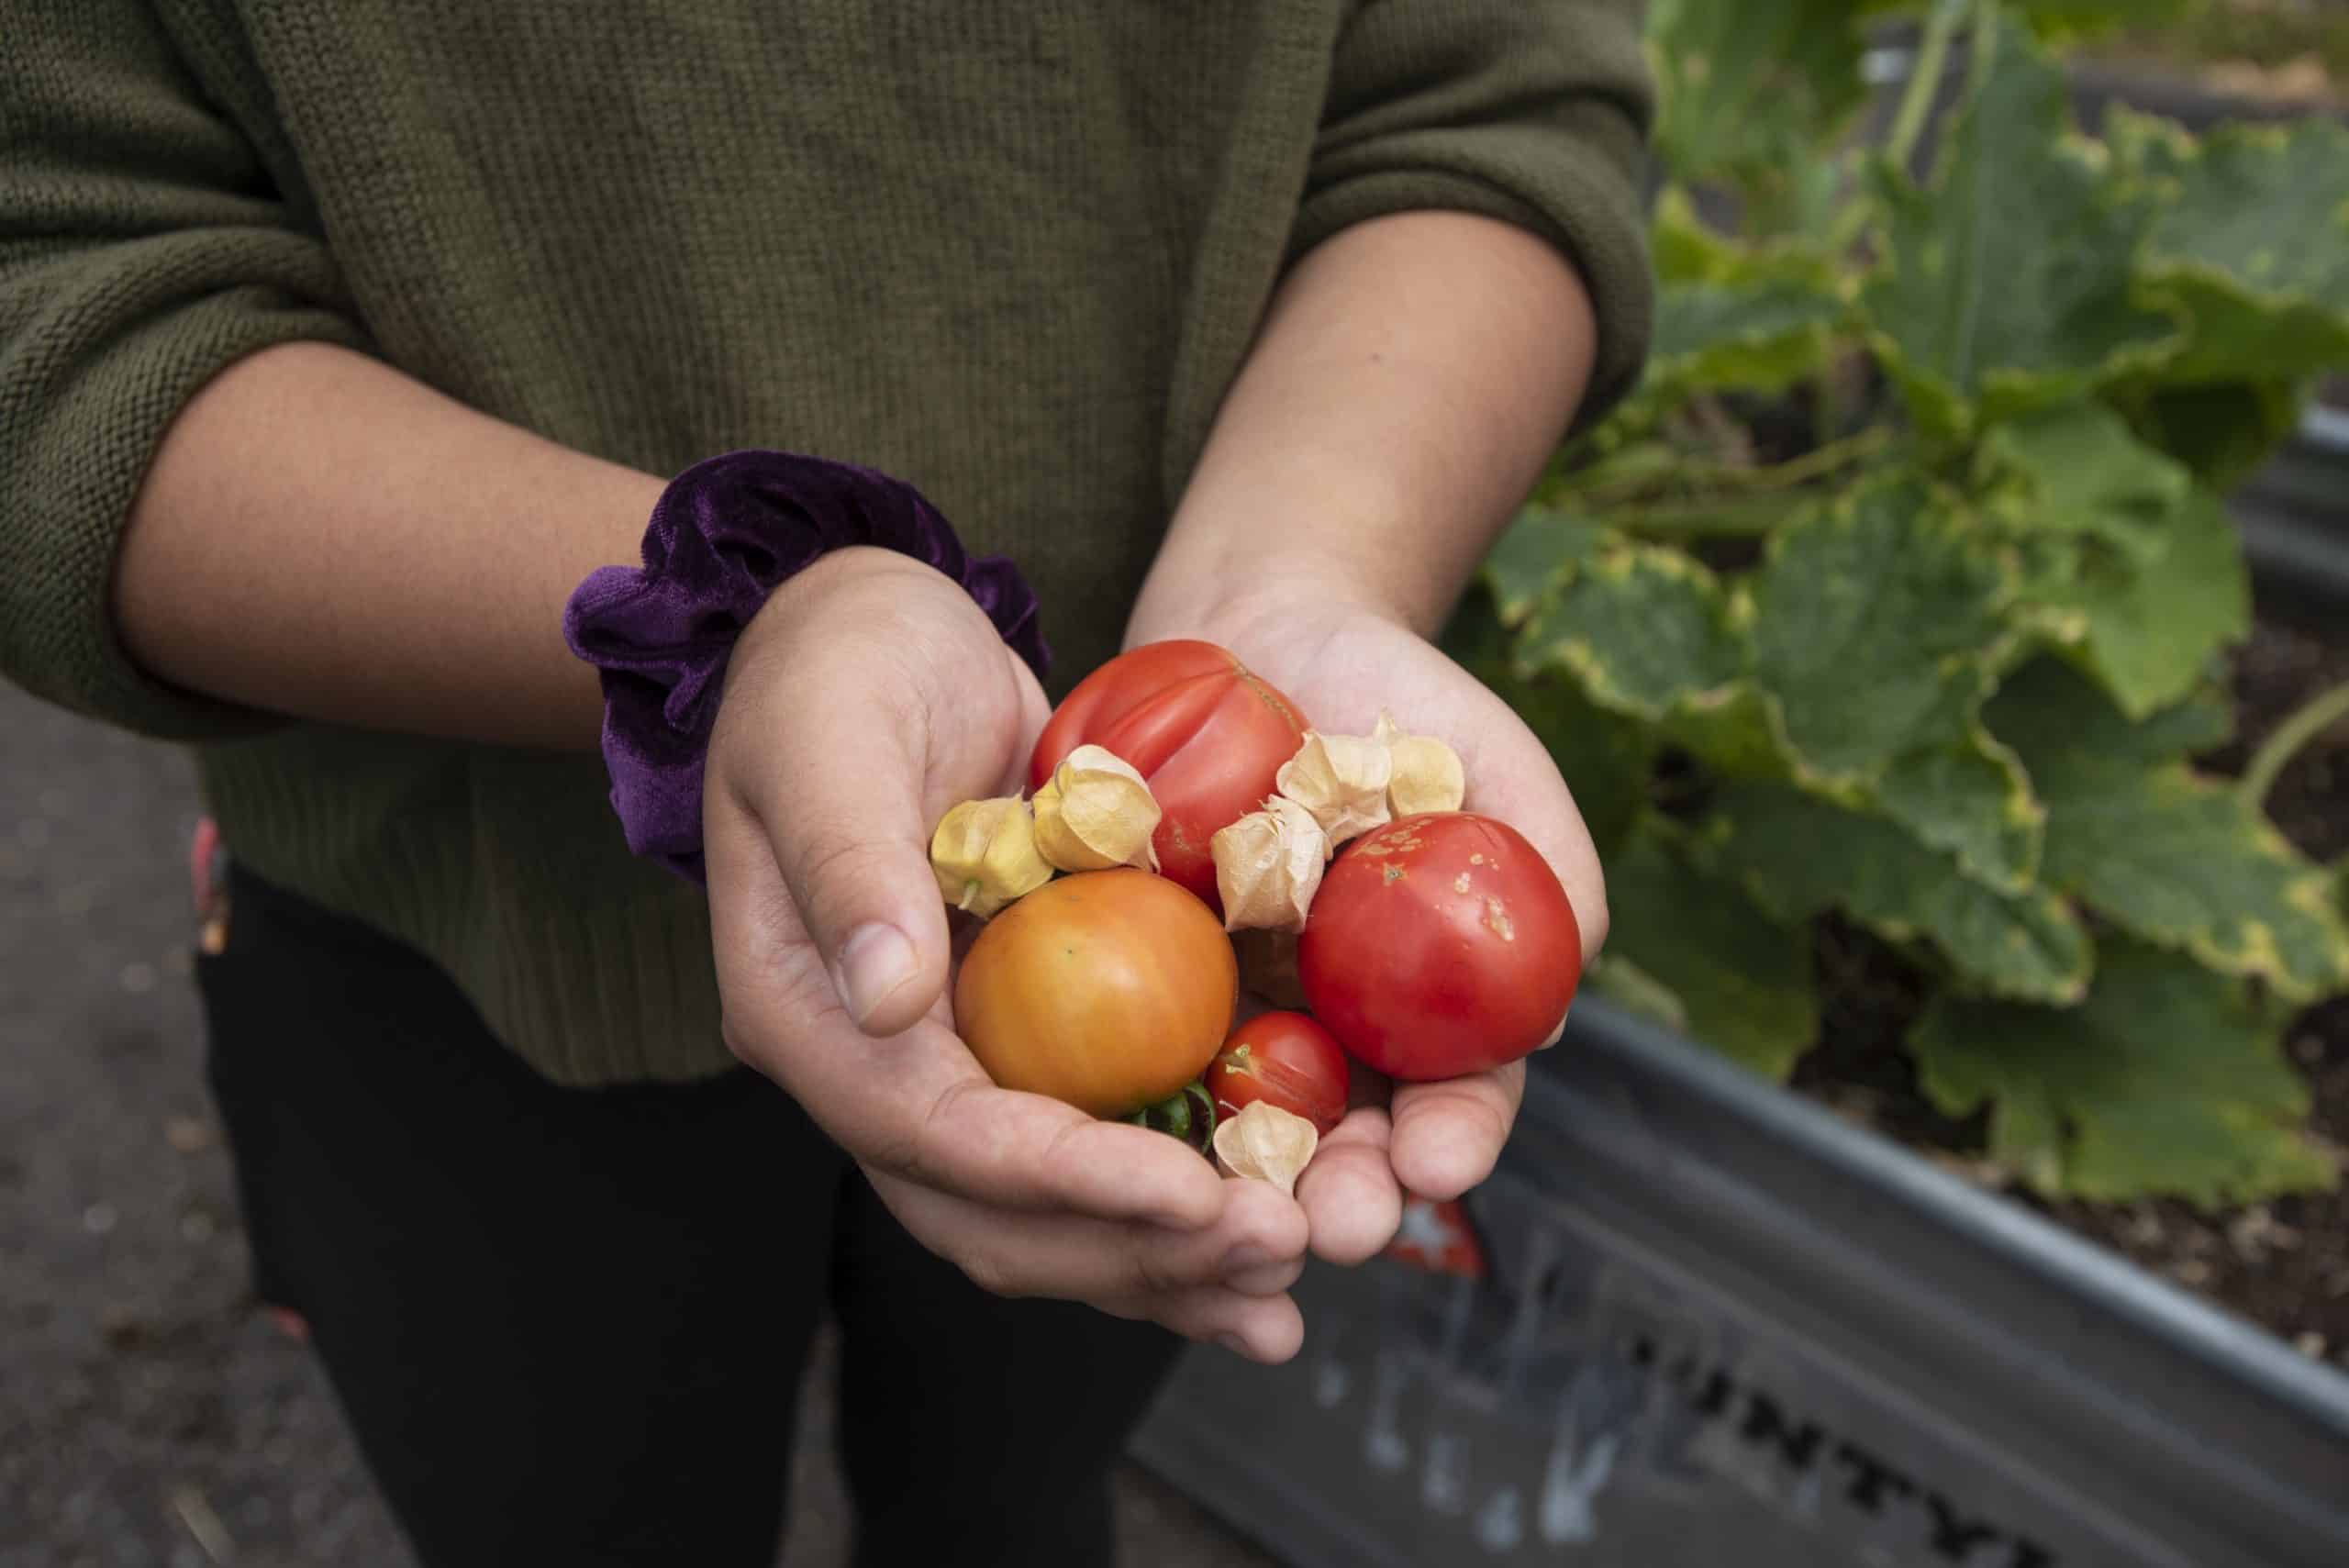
column 1109, row 989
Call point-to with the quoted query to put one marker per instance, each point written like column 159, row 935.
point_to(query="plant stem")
column 1813, row 464
column 1819, row 461
column 2312, row 718
column 1925, row 79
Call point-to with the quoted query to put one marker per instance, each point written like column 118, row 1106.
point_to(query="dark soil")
column 2284, row 1264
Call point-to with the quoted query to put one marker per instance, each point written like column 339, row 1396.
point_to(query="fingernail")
column 1235, row 1344
column 873, row 963
column 1247, row 1255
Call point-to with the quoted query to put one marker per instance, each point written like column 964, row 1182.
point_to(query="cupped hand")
column 1342, row 662
column 868, row 696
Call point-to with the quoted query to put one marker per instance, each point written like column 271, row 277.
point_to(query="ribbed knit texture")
column 1012, row 253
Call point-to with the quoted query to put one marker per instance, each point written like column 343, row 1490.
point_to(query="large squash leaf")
column 2167, row 1079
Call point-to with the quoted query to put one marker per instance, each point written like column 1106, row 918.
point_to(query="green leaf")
column 2067, row 19
column 2178, row 860
column 1607, row 760
column 1876, row 621
column 1750, row 93
column 1645, row 628
column 1732, row 315
column 1761, row 337
column 2009, row 281
column 2221, row 431
column 1732, row 732
column 1634, row 990
column 2140, row 573
column 2078, row 469
column 1539, row 553
column 1740, row 980
column 2149, row 630
column 2166, row 1081
column 1973, row 801
column 2047, row 711
column 1801, row 856
column 2250, row 241
column 2234, row 338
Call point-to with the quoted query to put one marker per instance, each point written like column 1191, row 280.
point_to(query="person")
column 337, row 347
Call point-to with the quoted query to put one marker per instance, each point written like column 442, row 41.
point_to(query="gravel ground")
column 150, row 1414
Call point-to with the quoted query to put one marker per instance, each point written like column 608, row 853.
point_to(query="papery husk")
column 1265, row 1143
column 1268, row 865
column 1341, row 780
column 985, row 856
column 1096, row 812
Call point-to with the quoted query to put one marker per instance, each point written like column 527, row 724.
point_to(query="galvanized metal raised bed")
column 1724, row 1327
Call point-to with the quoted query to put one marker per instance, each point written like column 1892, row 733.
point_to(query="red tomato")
column 1109, row 989
column 1285, row 1060
column 1439, row 945
column 1189, row 718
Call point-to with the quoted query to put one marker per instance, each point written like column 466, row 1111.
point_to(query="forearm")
column 323, row 537
column 1410, row 379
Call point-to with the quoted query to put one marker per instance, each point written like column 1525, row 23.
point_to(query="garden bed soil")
column 2283, row 1263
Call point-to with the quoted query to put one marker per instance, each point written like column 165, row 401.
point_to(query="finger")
column 1351, row 1197
column 1012, row 1150
column 883, row 698
column 1260, row 1238
column 1449, row 1134
column 838, row 793
column 1269, row 1329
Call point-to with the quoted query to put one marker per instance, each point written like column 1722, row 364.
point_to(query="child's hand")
column 869, row 695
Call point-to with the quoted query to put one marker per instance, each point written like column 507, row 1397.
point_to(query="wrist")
column 725, row 537
column 1235, row 602
column 795, row 600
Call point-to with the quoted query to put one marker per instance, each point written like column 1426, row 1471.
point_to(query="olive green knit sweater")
column 1012, row 253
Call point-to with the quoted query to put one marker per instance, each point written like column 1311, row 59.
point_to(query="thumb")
column 874, row 696
column 830, row 764
column 848, row 833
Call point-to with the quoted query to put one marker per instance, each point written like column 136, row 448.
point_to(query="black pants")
column 567, row 1325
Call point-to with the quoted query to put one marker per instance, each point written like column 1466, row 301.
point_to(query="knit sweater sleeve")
column 1532, row 111
column 142, row 250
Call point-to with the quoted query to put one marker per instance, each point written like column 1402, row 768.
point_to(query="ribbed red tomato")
column 1209, row 736
column 1285, row 1060
column 1439, row 945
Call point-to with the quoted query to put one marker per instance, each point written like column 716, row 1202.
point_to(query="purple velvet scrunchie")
column 724, row 533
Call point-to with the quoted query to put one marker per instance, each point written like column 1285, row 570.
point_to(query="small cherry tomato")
column 1439, row 945
column 1285, row 1060
column 1109, row 989
column 1208, row 737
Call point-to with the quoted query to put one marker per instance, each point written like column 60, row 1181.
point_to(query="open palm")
column 1341, row 664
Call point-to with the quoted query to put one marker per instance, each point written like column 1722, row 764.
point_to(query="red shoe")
column 1439, row 1238
column 207, row 884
